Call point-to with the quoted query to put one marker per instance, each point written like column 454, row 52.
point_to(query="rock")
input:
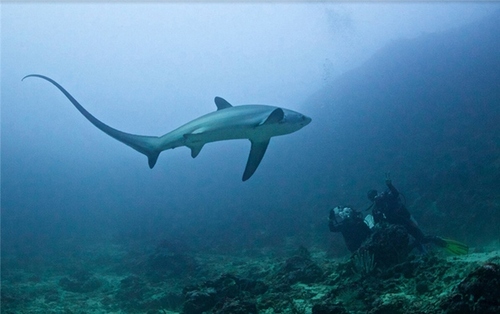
column 300, row 269
column 228, row 293
column 170, row 260
column 388, row 244
column 80, row 282
column 132, row 292
column 199, row 301
column 328, row 309
column 393, row 303
column 236, row 306
column 422, row 287
column 479, row 292
column 52, row 296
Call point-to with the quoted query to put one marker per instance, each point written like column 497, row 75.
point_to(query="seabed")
column 109, row 279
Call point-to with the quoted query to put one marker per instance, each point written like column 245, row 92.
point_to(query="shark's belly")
column 218, row 135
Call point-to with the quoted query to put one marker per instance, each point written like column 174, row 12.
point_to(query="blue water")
column 424, row 109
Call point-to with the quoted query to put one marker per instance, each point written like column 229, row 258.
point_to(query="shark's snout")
column 305, row 121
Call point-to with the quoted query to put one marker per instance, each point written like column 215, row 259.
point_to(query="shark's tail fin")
column 147, row 145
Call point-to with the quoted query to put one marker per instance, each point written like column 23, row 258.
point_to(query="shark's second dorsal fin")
column 221, row 103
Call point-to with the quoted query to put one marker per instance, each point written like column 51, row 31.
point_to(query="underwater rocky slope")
column 426, row 110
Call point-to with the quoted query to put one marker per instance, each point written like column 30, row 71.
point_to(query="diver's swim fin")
column 455, row 247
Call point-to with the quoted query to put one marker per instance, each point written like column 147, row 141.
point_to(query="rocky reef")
column 373, row 280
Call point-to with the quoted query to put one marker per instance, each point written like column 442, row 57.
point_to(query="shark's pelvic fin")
column 221, row 103
column 195, row 149
column 257, row 151
column 143, row 144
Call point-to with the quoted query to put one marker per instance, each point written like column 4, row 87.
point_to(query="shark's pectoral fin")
column 256, row 153
column 275, row 116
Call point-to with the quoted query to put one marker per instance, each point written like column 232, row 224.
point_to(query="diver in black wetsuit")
column 351, row 224
column 387, row 206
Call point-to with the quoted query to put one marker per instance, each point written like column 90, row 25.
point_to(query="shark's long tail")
column 147, row 145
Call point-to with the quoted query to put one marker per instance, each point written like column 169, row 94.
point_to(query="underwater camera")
column 339, row 213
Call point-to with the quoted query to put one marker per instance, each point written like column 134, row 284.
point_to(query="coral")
column 363, row 262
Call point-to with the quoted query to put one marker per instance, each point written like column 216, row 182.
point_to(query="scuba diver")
column 351, row 224
column 387, row 207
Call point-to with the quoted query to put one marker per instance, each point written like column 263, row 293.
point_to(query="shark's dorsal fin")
column 257, row 151
column 221, row 103
column 275, row 116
